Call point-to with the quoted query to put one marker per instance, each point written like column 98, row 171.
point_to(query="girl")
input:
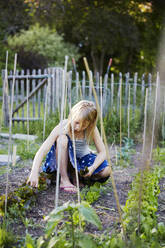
column 83, row 116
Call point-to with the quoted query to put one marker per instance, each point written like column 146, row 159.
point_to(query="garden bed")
column 105, row 206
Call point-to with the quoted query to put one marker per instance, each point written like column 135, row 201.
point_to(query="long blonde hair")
column 86, row 111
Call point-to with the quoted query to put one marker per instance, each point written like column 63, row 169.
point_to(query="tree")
column 40, row 47
column 14, row 15
column 99, row 27
column 127, row 30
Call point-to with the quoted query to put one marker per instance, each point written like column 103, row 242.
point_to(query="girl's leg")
column 62, row 143
column 103, row 173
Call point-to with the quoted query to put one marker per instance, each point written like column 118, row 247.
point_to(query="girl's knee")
column 105, row 172
column 62, row 141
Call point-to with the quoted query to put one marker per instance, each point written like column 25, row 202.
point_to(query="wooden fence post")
column 126, row 96
column 83, row 84
column 105, row 92
column 112, row 89
column 142, row 96
column 134, row 93
column 119, row 93
column 39, row 95
column 22, row 94
column 34, row 97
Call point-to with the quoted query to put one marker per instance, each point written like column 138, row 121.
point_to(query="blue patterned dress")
column 50, row 164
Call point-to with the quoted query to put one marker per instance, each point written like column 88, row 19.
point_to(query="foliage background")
column 128, row 31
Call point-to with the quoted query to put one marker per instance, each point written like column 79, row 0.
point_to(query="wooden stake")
column 145, row 123
column 120, row 114
column 5, row 103
column 128, row 111
column 116, row 155
column 61, row 119
column 10, row 136
column 60, row 149
column 155, row 110
column 14, row 155
column 75, row 160
column 101, row 107
column 106, row 147
column 143, row 159
column 27, row 115
column 45, row 112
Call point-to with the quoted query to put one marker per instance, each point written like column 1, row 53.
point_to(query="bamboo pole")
column 75, row 161
column 74, row 153
column 45, row 112
column 116, row 160
column 101, row 107
column 14, row 155
column 65, row 92
column 5, row 96
column 61, row 119
column 10, row 136
column 27, row 114
column 60, row 149
column 145, row 123
column 128, row 111
column 120, row 115
column 155, row 110
column 142, row 163
column 164, row 121
column 106, row 147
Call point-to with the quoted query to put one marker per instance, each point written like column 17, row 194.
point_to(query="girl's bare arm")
column 101, row 151
column 45, row 147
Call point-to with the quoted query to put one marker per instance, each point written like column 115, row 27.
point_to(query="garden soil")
column 105, row 206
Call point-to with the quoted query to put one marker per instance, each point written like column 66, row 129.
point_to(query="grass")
column 3, row 170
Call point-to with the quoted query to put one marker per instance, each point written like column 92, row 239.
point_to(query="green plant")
column 92, row 193
column 144, row 230
column 124, row 156
column 7, row 239
column 26, row 151
column 21, row 200
column 63, row 227
column 44, row 45
column 111, row 122
column 159, row 155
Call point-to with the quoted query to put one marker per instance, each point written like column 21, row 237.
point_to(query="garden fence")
column 43, row 88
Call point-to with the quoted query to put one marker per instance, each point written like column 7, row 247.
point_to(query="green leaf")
column 86, row 241
column 30, row 243
column 52, row 242
column 40, row 241
column 89, row 214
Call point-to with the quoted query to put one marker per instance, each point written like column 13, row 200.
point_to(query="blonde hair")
column 86, row 111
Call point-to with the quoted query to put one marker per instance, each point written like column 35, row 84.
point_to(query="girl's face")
column 80, row 125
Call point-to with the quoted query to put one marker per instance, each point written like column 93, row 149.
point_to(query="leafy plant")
column 20, row 200
column 42, row 47
column 159, row 155
column 146, row 188
column 27, row 153
column 7, row 239
column 63, row 229
column 92, row 193
column 124, row 157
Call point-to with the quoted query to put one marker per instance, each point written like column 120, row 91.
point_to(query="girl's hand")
column 33, row 179
column 91, row 169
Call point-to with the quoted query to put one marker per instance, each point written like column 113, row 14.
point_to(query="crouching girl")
column 83, row 118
